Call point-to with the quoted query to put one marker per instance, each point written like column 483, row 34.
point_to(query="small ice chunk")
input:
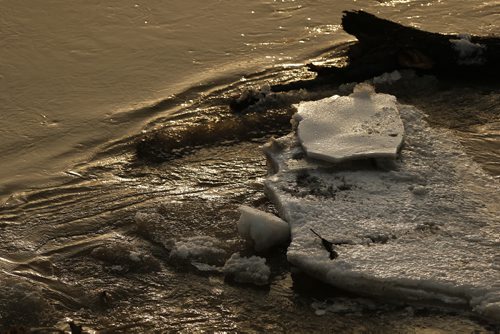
column 251, row 269
column 468, row 53
column 361, row 125
column 264, row 229
column 135, row 256
column 343, row 305
column 117, row 268
column 203, row 249
column 125, row 256
column 419, row 190
column 205, row 267
column 387, row 78
column 320, row 312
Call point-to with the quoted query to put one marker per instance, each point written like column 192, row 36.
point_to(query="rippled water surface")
column 81, row 82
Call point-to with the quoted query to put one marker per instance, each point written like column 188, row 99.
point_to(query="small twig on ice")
column 328, row 245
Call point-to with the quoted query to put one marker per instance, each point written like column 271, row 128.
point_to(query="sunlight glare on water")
column 71, row 75
column 81, row 80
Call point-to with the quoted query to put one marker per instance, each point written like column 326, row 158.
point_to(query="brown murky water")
column 74, row 112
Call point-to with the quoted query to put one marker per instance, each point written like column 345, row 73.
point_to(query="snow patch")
column 265, row 230
column 251, row 269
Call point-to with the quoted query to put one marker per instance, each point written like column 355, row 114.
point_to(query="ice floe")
column 265, row 230
column 362, row 125
column 425, row 228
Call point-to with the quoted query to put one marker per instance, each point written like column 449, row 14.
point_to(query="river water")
column 81, row 81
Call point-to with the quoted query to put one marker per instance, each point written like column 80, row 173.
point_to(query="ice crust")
column 265, row 230
column 198, row 249
column 425, row 228
column 362, row 125
column 207, row 255
column 251, row 269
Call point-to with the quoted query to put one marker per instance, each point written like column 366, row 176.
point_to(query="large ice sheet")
column 424, row 229
column 362, row 125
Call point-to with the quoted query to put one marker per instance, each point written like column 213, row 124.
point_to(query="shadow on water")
column 95, row 249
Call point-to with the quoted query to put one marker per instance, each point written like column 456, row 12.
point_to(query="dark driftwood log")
column 382, row 46
column 385, row 46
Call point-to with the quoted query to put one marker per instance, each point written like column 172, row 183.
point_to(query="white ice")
column 251, row 269
column 343, row 305
column 198, row 249
column 468, row 53
column 362, row 125
column 387, row 78
column 425, row 230
column 265, row 230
